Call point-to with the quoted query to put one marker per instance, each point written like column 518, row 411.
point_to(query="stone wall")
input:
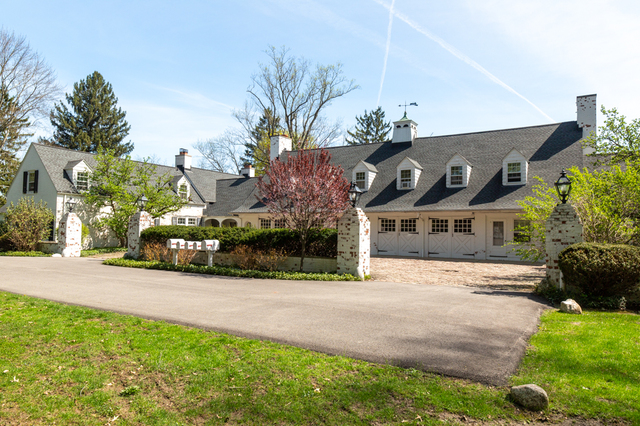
column 70, row 242
column 137, row 223
column 563, row 228
column 354, row 243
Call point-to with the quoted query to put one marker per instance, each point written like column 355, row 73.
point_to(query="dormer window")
column 183, row 191
column 456, row 175
column 514, row 172
column 364, row 174
column 458, row 172
column 405, row 179
column 514, row 168
column 82, row 181
column 78, row 172
column 408, row 173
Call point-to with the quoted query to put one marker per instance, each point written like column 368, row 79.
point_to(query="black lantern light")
column 71, row 203
column 142, row 202
column 354, row 194
column 563, row 186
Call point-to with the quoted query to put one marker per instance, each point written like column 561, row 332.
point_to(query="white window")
column 387, row 225
column 191, row 221
column 265, row 223
column 514, row 172
column 82, row 181
column 32, row 181
column 498, row 234
column 183, row 191
column 182, row 221
column 462, row 226
column 408, row 225
column 405, row 179
column 439, row 226
column 456, row 175
column 360, row 180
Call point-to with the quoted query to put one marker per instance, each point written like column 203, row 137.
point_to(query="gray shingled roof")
column 549, row 148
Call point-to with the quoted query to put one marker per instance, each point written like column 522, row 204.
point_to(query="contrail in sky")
column 386, row 52
column 455, row 52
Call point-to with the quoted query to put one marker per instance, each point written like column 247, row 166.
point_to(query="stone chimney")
column 404, row 130
column 248, row 171
column 183, row 160
column 587, row 113
column 280, row 143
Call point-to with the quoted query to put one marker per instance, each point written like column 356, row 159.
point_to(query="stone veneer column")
column 137, row 223
column 70, row 242
column 354, row 243
column 563, row 228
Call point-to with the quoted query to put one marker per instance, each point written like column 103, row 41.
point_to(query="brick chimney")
column 587, row 113
column 183, row 160
column 248, row 171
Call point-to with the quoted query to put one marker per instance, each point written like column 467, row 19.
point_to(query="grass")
column 231, row 272
column 24, row 253
column 101, row 250
column 70, row 365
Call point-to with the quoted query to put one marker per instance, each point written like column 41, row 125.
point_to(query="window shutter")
column 35, row 184
column 25, row 182
column 174, row 220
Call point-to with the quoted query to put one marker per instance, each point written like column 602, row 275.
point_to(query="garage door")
column 399, row 237
column 453, row 238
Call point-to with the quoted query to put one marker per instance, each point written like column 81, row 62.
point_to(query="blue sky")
column 180, row 68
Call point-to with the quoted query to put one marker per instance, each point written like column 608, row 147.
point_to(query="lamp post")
column 354, row 194
column 563, row 186
column 71, row 203
column 142, row 202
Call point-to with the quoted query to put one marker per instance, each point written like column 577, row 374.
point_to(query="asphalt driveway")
column 472, row 333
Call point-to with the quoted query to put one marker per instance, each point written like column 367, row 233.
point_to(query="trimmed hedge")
column 322, row 242
column 231, row 272
column 601, row 270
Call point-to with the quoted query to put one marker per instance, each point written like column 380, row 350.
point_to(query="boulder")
column 532, row 397
column 570, row 306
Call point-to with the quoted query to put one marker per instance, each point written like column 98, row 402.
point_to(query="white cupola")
column 404, row 130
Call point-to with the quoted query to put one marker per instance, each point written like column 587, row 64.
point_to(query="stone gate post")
column 70, row 242
column 354, row 243
column 137, row 223
column 562, row 228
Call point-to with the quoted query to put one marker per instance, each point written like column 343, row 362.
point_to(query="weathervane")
column 405, row 105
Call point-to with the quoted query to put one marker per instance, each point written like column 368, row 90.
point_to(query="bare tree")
column 298, row 95
column 223, row 152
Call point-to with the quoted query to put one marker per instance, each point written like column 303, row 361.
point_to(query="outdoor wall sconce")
column 71, row 203
column 563, row 186
column 354, row 194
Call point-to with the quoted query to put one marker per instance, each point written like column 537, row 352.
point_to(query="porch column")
column 354, row 243
column 137, row 223
column 562, row 228
column 70, row 242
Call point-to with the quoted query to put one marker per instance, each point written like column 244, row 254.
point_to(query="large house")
column 444, row 196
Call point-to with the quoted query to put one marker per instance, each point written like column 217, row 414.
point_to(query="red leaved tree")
column 306, row 191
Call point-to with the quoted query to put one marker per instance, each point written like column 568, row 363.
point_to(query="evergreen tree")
column 13, row 136
column 370, row 128
column 258, row 148
column 95, row 120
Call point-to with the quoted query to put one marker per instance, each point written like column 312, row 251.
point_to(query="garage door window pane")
column 439, row 226
column 387, row 225
column 462, row 226
column 408, row 225
column 498, row 233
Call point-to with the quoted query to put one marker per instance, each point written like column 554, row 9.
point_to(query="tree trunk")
column 303, row 247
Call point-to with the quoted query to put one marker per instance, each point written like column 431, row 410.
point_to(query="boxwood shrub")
column 601, row 270
column 322, row 242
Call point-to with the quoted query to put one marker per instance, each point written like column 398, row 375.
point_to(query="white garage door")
column 399, row 237
column 451, row 238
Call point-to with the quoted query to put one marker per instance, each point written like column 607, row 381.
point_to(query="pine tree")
column 95, row 120
column 13, row 136
column 258, row 149
column 370, row 128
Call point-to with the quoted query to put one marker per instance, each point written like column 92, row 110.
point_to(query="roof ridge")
column 498, row 130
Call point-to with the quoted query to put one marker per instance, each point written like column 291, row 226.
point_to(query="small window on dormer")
column 514, row 172
column 405, row 178
column 360, row 180
column 82, row 181
column 456, row 175
column 183, row 191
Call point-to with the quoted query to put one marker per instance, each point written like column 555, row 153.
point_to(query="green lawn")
column 76, row 366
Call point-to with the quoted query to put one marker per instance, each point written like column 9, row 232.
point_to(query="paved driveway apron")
column 472, row 333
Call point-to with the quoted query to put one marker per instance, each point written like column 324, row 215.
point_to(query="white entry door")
column 387, row 237
column 409, row 238
column 463, row 239
column 439, row 238
column 496, row 243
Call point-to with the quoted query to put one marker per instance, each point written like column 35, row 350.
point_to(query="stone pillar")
column 70, row 242
column 137, row 223
column 563, row 228
column 354, row 243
